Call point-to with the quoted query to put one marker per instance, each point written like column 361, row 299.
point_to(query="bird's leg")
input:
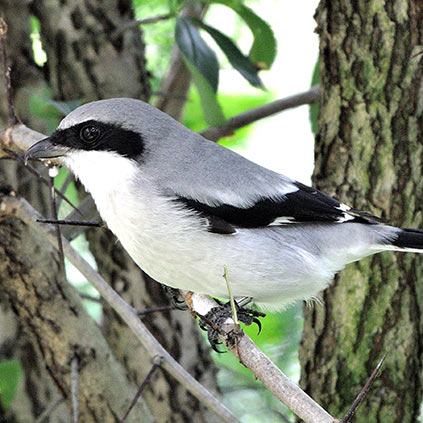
column 175, row 298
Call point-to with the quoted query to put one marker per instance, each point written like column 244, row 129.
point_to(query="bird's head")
column 121, row 126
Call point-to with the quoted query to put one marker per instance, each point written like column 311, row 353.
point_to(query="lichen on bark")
column 368, row 154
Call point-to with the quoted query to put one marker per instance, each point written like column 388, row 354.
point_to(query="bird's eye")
column 89, row 133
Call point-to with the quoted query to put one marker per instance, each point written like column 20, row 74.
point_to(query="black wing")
column 304, row 205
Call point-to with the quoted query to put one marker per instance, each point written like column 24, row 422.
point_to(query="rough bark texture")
column 37, row 390
column 369, row 154
column 60, row 329
column 85, row 60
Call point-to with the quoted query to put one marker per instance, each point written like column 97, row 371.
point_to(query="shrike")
column 184, row 207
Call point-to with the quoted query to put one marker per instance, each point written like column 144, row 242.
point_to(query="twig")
column 11, row 116
column 45, row 181
column 214, row 133
column 88, row 208
column 75, row 389
column 154, row 309
column 54, row 214
column 64, row 187
column 350, row 413
column 70, row 222
column 156, row 364
column 24, row 211
column 263, row 368
column 90, row 298
column 135, row 23
column 231, row 298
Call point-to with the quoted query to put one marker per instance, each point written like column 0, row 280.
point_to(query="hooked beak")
column 45, row 149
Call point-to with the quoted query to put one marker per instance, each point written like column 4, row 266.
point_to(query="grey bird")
column 184, row 207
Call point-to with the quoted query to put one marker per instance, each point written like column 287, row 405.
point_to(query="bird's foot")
column 175, row 298
column 217, row 316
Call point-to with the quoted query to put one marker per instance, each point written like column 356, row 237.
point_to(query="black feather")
column 409, row 238
column 304, row 205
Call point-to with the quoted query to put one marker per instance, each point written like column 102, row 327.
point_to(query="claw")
column 174, row 297
column 258, row 323
column 214, row 341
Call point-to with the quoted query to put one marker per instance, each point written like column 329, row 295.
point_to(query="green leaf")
column 212, row 111
column 263, row 50
column 202, row 63
column 240, row 62
column 314, row 108
column 10, row 374
column 197, row 52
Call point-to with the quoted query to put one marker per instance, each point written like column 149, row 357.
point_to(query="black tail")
column 409, row 239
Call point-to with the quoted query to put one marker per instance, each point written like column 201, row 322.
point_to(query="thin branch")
column 54, row 214
column 64, row 187
column 137, row 22
column 156, row 364
column 12, row 120
column 89, row 298
column 262, row 367
column 154, row 309
column 88, row 208
column 350, row 413
column 24, row 211
column 45, row 181
column 75, row 389
column 70, row 222
column 214, row 133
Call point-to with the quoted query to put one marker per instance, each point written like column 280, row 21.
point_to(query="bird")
column 186, row 208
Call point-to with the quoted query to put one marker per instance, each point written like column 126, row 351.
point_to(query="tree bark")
column 36, row 390
column 369, row 154
column 60, row 329
column 85, row 60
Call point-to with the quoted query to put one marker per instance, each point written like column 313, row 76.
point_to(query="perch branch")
column 214, row 133
column 262, row 367
column 24, row 211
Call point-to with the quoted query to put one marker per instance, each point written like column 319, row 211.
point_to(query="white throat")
column 101, row 172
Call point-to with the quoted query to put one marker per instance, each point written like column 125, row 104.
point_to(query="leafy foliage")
column 202, row 62
column 240, row 62
column 10, row 374
column 263, row 50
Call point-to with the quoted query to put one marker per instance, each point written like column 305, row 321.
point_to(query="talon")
column 213, row 338
column 258, row 323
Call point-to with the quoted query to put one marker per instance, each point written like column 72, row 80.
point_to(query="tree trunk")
column 36, row 390
column 369, row 154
